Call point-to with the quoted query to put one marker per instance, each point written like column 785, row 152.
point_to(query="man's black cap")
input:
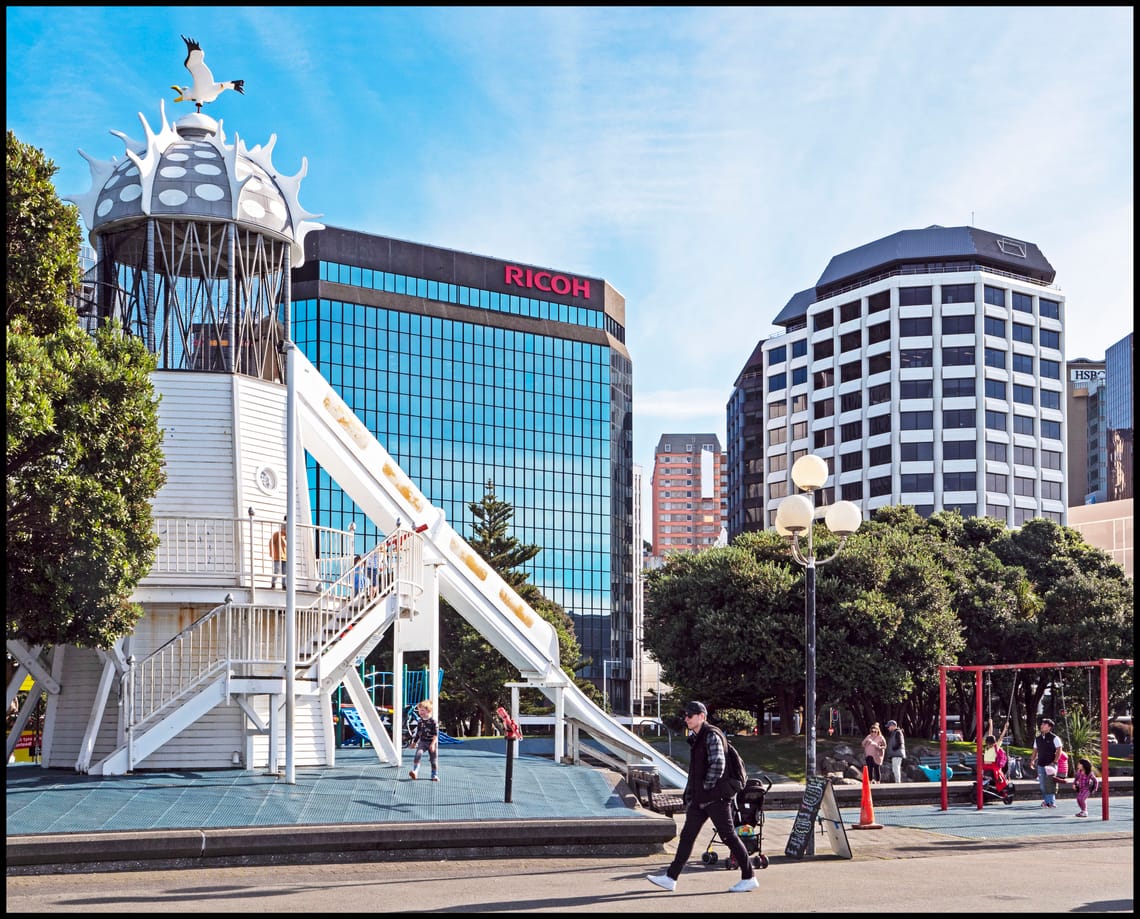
column 695, row 708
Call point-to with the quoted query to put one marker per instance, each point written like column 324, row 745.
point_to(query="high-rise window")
column 916, row 389
column 995, row 389
column 958, row 418
column 957, row 293
column 879, row 487
column 915, row 451
column 996, row 327
column 958, row 325
column 914, row 296
column 824, row 319
column 878, row 363
column 995, row 357
column 917, row 481
column 996, row 452
column 957, row 387
column 1023, row 363
column 880, row 424
column 959, row 450
column 958, row 356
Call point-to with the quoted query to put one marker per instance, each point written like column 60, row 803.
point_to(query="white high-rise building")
column 926, row 368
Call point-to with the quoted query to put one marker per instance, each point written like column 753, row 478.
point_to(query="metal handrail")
column 245, row 640
column 237, row 549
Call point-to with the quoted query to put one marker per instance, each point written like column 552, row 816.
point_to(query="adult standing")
column 703, row 801
column 279, row 553
column 896, row 750
column 1046, row 749
column 874, row 748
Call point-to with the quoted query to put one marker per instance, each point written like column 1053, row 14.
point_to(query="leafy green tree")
column 708, row 614
column 905, row 596
column 476, row 672
column 84, row 454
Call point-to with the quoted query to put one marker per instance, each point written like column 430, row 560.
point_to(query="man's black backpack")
column 735, row 775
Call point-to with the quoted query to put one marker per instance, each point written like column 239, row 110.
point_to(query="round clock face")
column 267, row 480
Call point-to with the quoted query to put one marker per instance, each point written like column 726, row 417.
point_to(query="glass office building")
column 471, row 370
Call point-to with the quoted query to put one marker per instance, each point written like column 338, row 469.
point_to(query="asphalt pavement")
column 361, row 810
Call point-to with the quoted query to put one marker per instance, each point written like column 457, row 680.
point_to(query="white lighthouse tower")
column 234, row 662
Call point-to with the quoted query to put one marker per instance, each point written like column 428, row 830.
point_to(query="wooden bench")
column 646, row 784
column 929, row 766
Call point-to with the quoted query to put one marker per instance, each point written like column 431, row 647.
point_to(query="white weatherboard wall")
column 356, row 461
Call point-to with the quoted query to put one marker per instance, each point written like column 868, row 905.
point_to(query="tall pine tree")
column 476, row 674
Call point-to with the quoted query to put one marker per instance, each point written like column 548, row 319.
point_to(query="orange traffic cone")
column 866, row 808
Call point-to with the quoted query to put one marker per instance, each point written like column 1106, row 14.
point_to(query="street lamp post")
column 606, row 684
column 794, row 517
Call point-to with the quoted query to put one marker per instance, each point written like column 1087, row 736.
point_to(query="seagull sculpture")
column 204, row 89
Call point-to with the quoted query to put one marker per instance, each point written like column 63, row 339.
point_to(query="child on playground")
column 1084, row 783
column 427, row 739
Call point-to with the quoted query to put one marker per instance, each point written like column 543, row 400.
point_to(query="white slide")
column 357, row 462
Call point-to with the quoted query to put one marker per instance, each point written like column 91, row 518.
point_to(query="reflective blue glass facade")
column 465, row 378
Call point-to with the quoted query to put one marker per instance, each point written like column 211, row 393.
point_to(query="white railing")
column 247, row 640
column 237, row 549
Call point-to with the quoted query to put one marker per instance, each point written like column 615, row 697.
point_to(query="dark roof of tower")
column 951, row 245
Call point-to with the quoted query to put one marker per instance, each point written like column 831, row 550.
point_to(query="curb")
column 633, row 835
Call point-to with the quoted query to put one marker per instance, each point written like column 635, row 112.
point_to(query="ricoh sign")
column 537, row 283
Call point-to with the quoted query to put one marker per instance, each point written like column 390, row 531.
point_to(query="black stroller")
column 748, row 820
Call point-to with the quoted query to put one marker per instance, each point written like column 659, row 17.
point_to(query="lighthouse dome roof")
column 187, row 170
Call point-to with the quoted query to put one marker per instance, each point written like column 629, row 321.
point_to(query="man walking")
column 896, row 750
column 704, row 802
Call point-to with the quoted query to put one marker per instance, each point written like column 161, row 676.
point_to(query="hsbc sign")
column 1085, row 375
column 545, row 281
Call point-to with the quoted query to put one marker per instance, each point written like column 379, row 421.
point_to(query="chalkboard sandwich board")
column 818, row 793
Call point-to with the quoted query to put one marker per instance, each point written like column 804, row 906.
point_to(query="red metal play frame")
column 1102, row 664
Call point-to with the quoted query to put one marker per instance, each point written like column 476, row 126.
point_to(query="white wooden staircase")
column 237, row 651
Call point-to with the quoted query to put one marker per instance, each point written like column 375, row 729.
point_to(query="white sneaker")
column 744, row 885
column 663, row 880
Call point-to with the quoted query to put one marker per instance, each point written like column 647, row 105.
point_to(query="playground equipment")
column 1102, row 665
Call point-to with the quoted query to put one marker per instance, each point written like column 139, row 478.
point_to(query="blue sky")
column 707, row 162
